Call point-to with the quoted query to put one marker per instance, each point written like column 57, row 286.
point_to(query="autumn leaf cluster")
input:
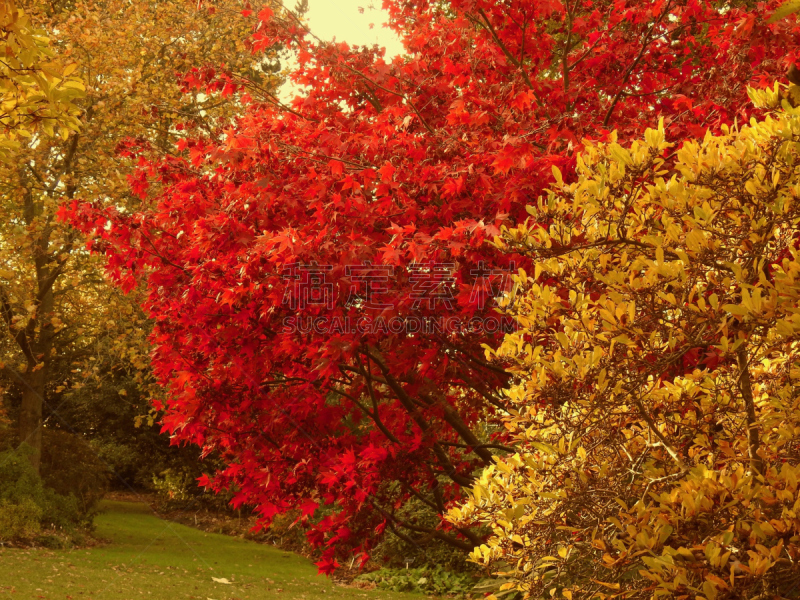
column 392, row 163
column 89, row 88
column 36, row 90
column 655, row 407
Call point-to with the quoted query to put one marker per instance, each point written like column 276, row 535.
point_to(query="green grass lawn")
column 150, row 558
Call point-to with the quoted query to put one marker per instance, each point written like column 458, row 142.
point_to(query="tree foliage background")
column 645, row 442
column 140, row 64
column 394, row 161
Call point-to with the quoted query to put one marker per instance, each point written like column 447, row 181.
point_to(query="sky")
column 341, row 19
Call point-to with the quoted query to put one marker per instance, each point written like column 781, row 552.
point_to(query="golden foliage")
column 656, row 405
column 36, row 92
column 145, row 66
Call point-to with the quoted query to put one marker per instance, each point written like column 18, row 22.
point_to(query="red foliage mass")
column 418, row 159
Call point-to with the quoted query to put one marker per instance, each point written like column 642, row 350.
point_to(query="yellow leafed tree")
column 37, row 94
column 656, row 405
column 147, row 66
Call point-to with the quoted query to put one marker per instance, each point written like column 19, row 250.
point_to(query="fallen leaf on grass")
column 221, row 580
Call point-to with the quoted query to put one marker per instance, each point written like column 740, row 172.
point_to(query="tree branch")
column 746, row 389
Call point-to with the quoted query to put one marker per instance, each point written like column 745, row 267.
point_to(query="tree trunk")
column 35, row 339
column 35, row 380
column 30, row 413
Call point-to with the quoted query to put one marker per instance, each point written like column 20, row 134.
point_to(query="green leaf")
column 784, row 10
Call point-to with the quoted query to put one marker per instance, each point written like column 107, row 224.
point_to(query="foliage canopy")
column 393, row 162
column 142, row 64
column 36, row 91
column 655, row 402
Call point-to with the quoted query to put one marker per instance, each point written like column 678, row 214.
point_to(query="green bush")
column 20, row 520
column 28, row 509
column 174, row 486
column 176, row 489
column 123, row 460
column 393, row 551
column 70, row 466
column 423, row 580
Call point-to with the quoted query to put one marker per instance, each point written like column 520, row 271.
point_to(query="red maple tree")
column 372, row 195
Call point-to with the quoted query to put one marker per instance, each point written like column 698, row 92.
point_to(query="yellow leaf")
column 736, row 309
column 611, row 586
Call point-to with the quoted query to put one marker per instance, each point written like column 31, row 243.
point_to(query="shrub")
column 177, row 489
column 174, row 486
column 71, row 467
column 426, row 551
column 656, row 405
column 19, row 520
column 423, row 580
column 27, row 507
